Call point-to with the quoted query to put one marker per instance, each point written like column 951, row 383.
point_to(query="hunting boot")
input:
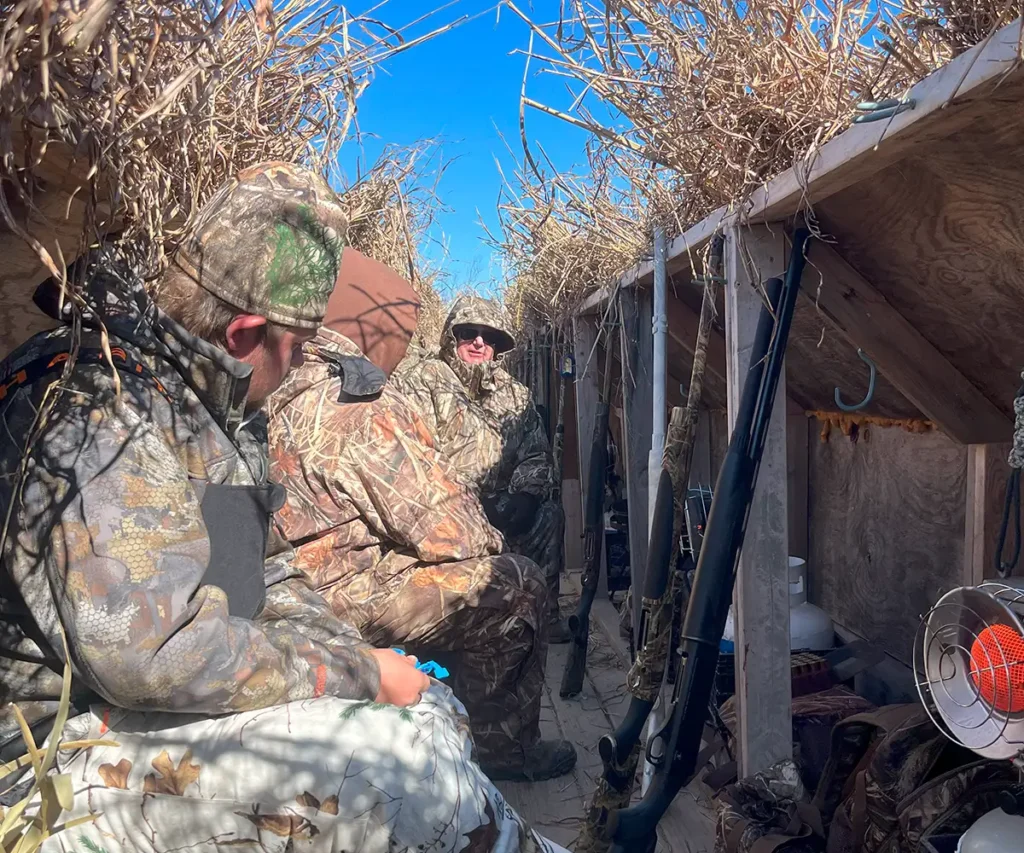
column 546, row 759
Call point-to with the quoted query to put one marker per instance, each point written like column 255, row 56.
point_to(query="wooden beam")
column 987, row 474
column 585, row 331
column 902, row 354
column 761, row 597
column 797, row 462
column 637, row 341
column 682, row 328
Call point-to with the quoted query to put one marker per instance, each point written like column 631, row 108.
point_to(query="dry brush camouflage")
column 107, row 542
column 398, row 545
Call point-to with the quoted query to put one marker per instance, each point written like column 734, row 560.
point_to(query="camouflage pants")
column 486, row 612
column 323, row 776
column 543, row 543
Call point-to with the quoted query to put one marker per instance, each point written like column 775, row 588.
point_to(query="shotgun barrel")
column 593, row 535
column 633, row 829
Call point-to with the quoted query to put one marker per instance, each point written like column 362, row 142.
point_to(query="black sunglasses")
column 471, row 333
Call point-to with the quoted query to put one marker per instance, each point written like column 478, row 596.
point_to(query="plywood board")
column 941, row 236
column 886, row 530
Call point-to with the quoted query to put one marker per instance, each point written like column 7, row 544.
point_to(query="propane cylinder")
column 995, row 832
column 810, row 627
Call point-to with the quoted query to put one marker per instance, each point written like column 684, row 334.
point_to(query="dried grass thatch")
column 725, row 95
column 562, row 236
column 158, row 102
column 28, row 823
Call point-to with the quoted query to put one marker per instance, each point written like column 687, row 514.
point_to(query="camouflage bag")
column 767, row 813
column 892, row 778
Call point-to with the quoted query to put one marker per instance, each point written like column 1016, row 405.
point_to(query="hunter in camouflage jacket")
column 401, row 547
column 207, row 726
column 108, row 514
column 486, row 423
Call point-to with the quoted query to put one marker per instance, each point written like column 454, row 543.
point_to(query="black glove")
column 512, row 514
column 520, row 511
column 492, row 508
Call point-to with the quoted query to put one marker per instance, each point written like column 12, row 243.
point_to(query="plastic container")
column 810, row 627
column 995, row 832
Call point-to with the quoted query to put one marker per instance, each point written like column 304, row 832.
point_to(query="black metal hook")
column 871, row 386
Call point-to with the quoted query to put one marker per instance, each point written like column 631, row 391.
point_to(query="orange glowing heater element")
column 997, row 668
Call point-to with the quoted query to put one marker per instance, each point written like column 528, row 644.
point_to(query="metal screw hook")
column 881, row 110
column 871, row 386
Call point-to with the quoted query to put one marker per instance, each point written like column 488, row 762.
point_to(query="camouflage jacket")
column 367, row 489
column 107, row 544
column 483, row 419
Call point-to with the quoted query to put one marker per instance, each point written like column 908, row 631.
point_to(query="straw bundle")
column 724, row 94
column 157, row 102
column 24, row 829
column 391, row 209
column 563, row 236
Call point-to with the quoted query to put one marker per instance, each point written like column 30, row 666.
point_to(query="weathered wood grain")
column 901, row 353
column 761, row 597
column 886, row 530
column 941, row 237
column 988, row 471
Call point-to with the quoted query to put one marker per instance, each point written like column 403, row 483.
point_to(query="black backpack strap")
column 31, row 372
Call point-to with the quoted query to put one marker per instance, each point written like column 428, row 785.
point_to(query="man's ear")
column 244, row 334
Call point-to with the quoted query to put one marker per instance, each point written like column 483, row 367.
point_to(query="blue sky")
column 463, row 87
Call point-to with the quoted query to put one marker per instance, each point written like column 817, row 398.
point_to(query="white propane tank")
column 995, row 832
column 810, row 628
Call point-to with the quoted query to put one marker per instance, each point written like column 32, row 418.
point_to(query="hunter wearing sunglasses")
column 486, row 423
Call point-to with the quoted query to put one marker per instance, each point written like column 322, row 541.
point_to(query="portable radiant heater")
column 969, row 663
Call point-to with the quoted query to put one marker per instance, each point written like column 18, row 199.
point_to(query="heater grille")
column 969, row 663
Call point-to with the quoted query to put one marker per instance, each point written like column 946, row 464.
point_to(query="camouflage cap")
column 269, row 242
column 473, row 310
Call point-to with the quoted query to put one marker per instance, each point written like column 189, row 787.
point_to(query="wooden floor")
column 555, row 807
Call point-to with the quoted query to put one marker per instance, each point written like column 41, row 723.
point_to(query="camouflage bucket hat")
column 270, row 243
column 474, row 310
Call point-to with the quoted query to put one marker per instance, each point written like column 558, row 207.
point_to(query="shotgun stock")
column 593, row 534
column 634, row 829
column 620, row 750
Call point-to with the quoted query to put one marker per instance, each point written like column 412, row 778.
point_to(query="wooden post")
column 637, row 339
column 761, row 598
column 585, row 329
column 797, row 450
column 987, row 473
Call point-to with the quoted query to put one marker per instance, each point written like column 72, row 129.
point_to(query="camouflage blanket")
column 318, row 775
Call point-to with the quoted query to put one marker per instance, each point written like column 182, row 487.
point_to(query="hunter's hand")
column 401, row 683
column 520, row 513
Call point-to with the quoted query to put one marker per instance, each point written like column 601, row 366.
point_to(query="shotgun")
column 593, row 532
column 620, row 751
column 634, row 828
